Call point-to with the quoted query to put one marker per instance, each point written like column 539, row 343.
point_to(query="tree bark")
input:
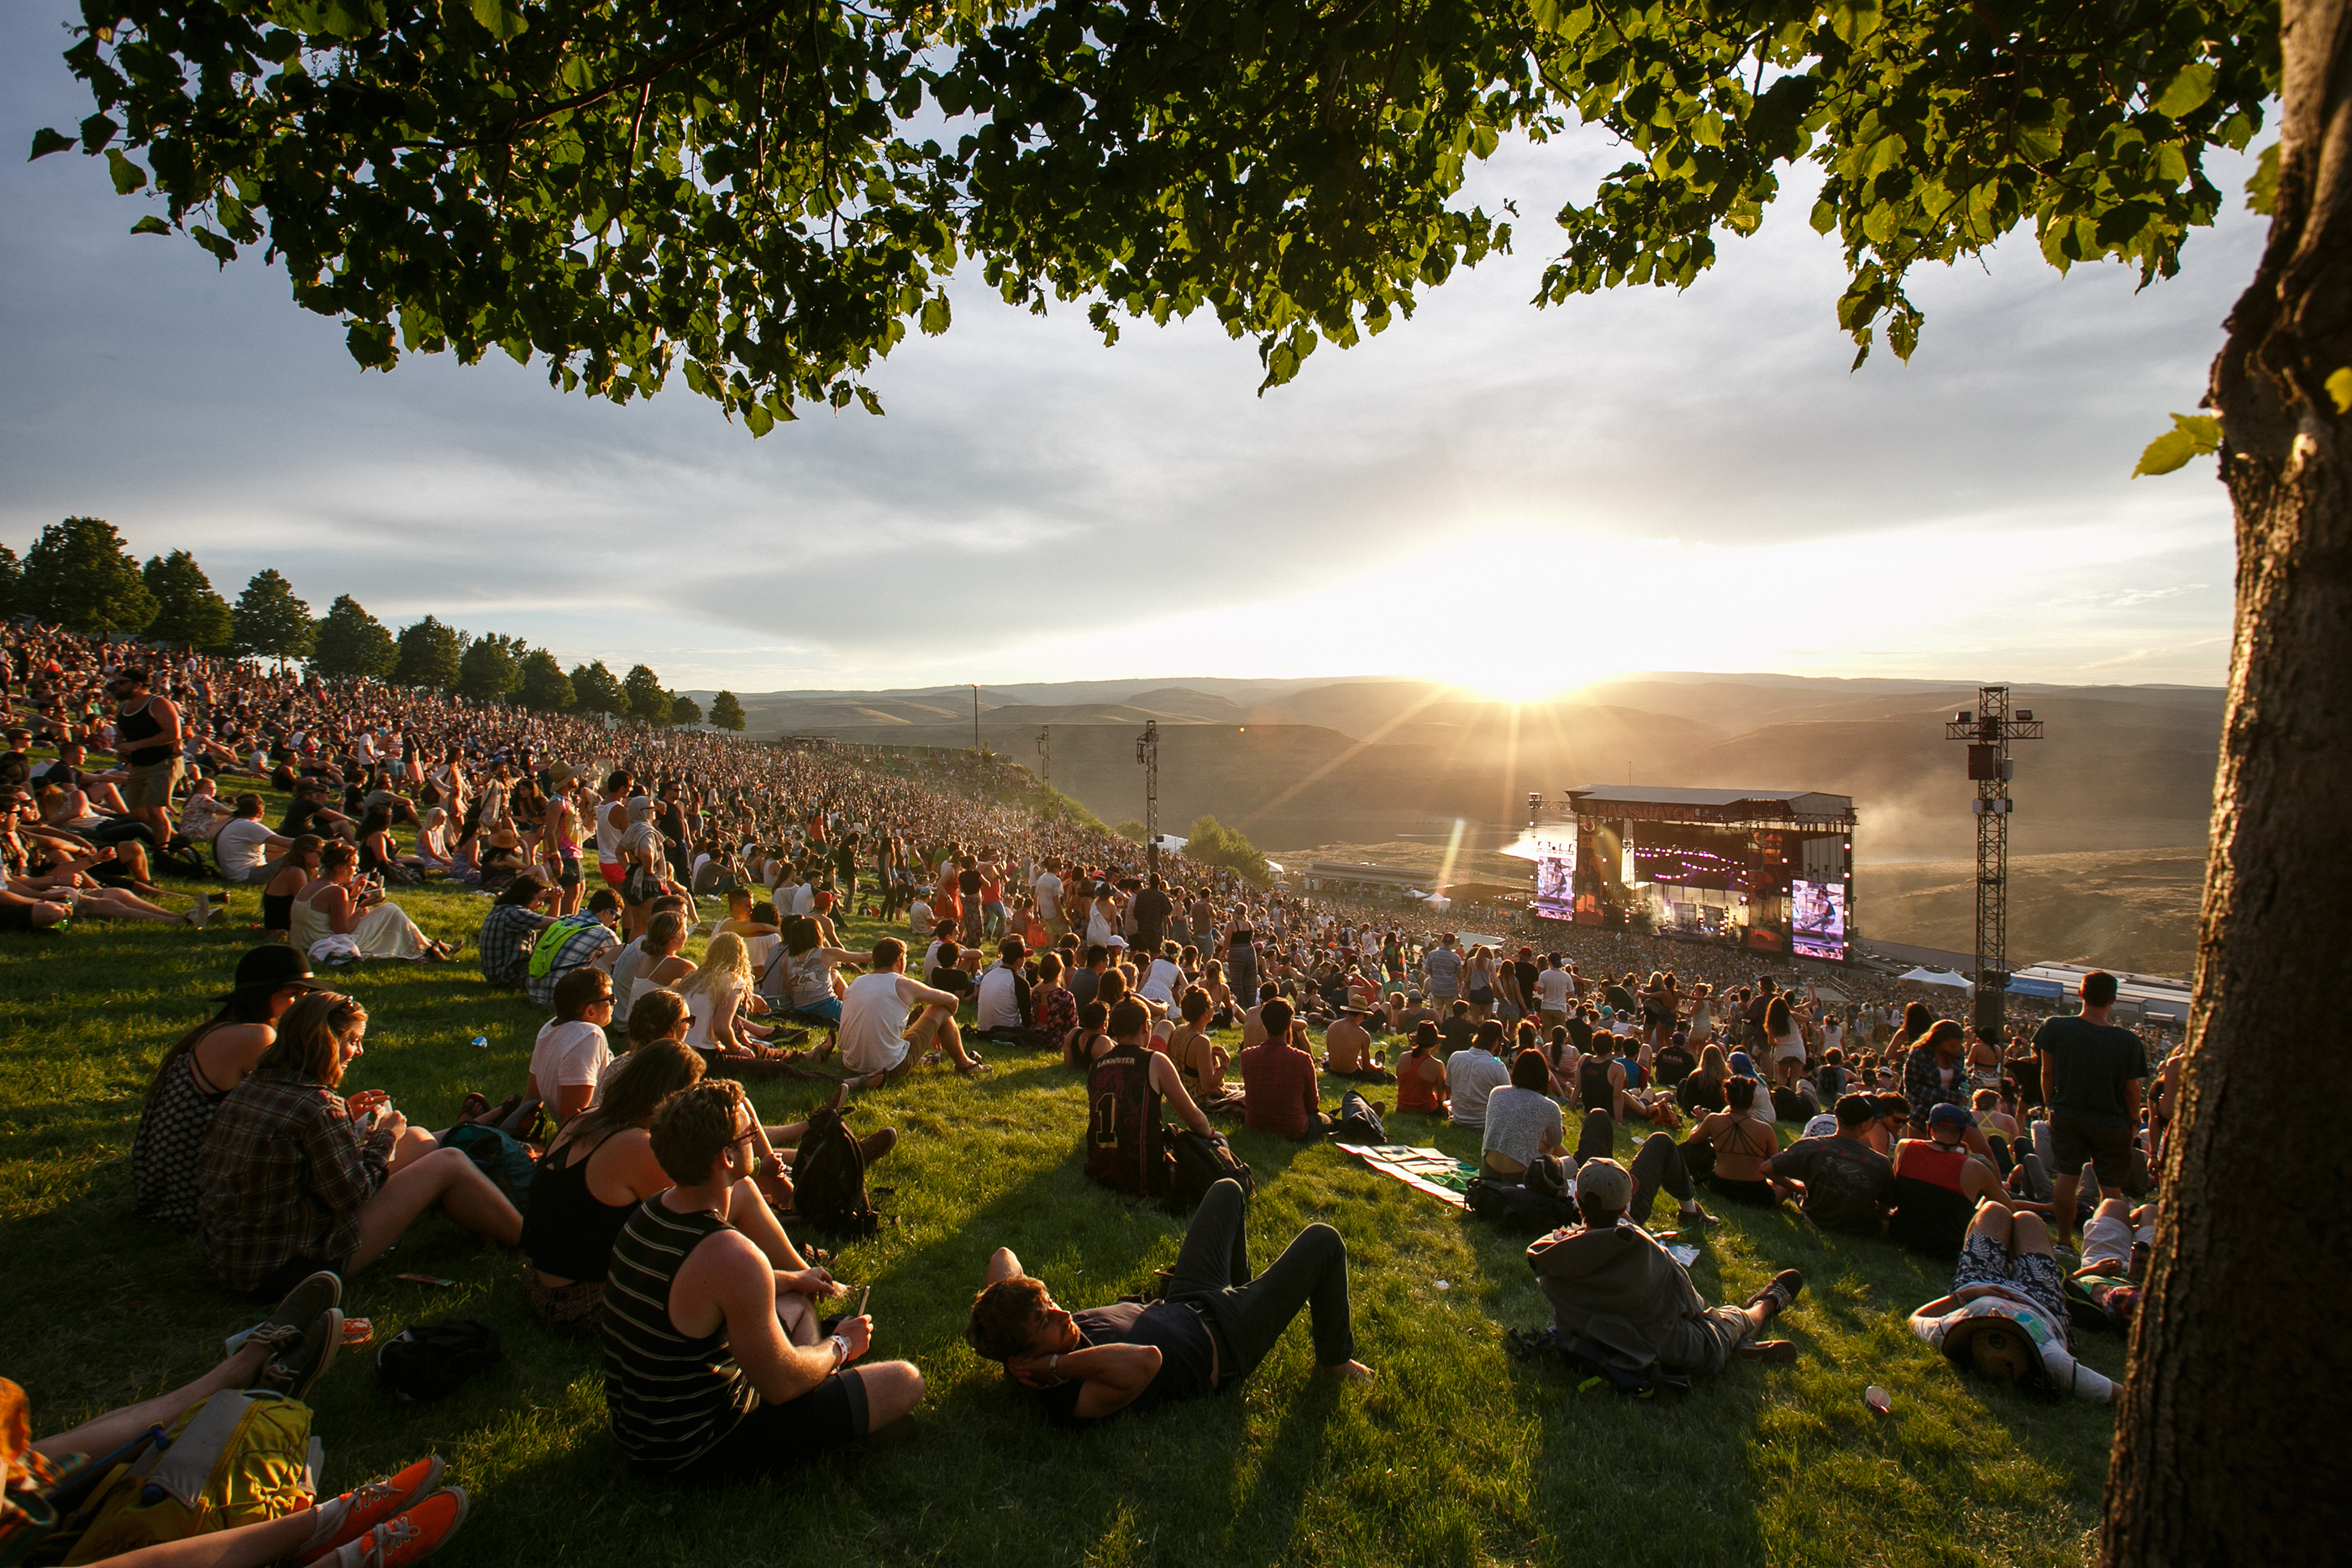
column 2228, row 1446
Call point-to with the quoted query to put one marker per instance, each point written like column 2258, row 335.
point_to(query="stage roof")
column 1669, row 803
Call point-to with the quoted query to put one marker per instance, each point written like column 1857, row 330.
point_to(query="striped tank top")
column 671, row 1398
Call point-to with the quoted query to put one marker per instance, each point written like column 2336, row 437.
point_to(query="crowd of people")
column 653, row 1209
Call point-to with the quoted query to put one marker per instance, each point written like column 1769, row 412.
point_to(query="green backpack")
column 552, row 940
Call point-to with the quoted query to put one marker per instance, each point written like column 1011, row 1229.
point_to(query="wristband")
column 840, row 1352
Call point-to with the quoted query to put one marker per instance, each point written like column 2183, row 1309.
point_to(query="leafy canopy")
column 726, row 712
column 545, row 689
column 490, row 668
column 78, row 574
column 763, row 195
column 271, row 621
column 187, row 609
column 352, row 643
column 429, row 655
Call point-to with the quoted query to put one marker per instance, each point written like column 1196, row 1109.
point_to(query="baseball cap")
column 1608, row 1184
column 269, row 969
column 1948, row 1112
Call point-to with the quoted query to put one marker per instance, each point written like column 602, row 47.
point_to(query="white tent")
column 1935, row 977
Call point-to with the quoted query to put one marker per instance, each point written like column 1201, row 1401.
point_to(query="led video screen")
column 1817, row 920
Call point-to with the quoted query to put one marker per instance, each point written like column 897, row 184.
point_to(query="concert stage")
column 1769, row 870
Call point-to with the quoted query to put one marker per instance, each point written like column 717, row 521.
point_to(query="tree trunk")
column 2228, row 1446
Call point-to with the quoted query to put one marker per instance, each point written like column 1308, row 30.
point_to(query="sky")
column 1515, row 499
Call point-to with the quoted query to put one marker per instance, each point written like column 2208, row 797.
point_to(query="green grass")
column 1455, row 1455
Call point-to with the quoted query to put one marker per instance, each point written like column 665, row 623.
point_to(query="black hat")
column 269, row 969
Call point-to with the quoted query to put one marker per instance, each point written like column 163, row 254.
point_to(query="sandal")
column 473, row 1106
column 1771, row 1351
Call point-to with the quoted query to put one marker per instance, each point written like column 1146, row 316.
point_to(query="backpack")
column 1359, row 1122
column 1788, row 1105
column 501, row 1156
column 550, row 945
column 1518, row 1208
column 431, row 1360
column 829, row 1178
column 1593, row 1366
column 1202, row 1160
column 239, row 1457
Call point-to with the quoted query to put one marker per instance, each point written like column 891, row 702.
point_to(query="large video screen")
column 1556, row 887
column 1817, row 919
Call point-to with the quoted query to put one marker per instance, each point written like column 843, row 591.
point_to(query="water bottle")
column 481, row 1043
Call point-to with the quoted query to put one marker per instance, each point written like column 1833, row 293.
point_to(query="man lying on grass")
column 1214, row 1327
column 1613, row 1286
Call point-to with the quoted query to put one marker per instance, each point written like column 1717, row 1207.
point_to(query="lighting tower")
column 1988, row 732
column 1147, row 753
column 1046, row 751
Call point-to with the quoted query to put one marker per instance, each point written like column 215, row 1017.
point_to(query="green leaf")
column 2191, row 436
column 128, row 176
column 2185, row 92
column 150, row 225
column 2261, row 189
column 2339, row 387
column 46, row 141
column 503, row 20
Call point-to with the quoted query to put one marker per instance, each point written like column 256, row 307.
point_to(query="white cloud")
column 1643, row 479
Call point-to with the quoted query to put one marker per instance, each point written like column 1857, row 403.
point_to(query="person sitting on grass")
column 2007, row 1317
column 1213, row 1326
column 720, row 994
column 197, row 1073
column 1938, row 1184
column 876, row 1039
column 1614, row 1287
column 1741, row 1143
column 1347, row 1048
column 571, row 942
column 293, row 1178
column 336, row 903
column 1421, row 1074
column 1127, row 1145
column 1280, row 1086
column 651, row 963
column 1200, row 1060
column 570, row 1054
column 1524, row 1140
column 717, row 1366
column 1003, row 1002
column 1053, row 1010
column 511, row 929
column 397, row 1521
column 1473, row 1072
column 244, row 845
column 1843, row 1180
column 798, row 977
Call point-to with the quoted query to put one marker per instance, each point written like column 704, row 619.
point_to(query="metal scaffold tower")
column 1147, row 753
column 1989, row 731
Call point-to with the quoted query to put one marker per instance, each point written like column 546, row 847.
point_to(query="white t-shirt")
column 803, row 898
column 1048, row 889
column 1551, row 990
column 874, row 1021
column 1471, row 1075
column 919, row 916
column 625, row 967
column 567, row 1054
column 1161, row 984
column 1000, row 999
column 242, row 847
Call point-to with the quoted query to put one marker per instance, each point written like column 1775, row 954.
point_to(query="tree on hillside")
column 726, row 712
column 490, row 668
column 683, row 710
column 1210, row 843
column 269, row 621
column 352, row 643
column 12, row 582
column 79, row 575
column 1293, row 167
column 648, row 704
column 544, row 685
column 594, row 690
column 430, row 654
column 1131, row 829
column 187, row 609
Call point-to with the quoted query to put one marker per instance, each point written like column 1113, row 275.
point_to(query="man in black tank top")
column 148, row 737
column 1213, row 1326
column 716, row 1366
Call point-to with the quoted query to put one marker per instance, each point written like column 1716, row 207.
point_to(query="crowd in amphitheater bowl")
column 654, row 1219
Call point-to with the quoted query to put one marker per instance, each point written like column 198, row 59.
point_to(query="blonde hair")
column 726, row 967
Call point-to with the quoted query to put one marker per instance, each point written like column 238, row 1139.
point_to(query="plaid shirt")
column 508, row 932
column 282, row 1176
column 1923, row 1084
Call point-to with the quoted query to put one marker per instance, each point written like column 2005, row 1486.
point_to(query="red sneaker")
column 354, row 1515
column 409, row 1537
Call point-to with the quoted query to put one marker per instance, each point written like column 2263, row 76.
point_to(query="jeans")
column 1212, row 1268
column 1659, row 1164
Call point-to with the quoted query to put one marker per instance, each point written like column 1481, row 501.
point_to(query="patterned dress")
column 163, row 1151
